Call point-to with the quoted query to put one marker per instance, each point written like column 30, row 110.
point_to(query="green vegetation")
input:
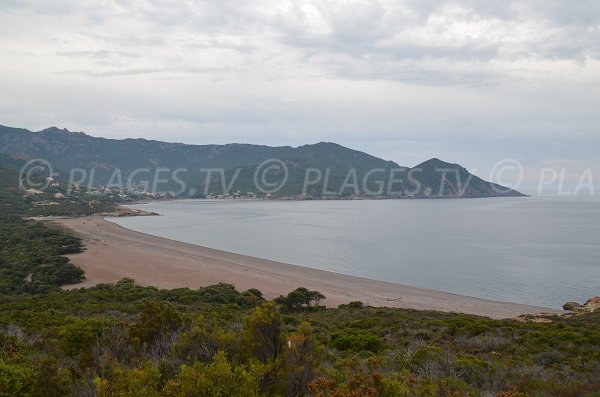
column 31, row 257
column 127, row 340
column 32, row 254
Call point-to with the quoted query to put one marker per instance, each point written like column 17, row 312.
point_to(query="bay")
column 540, row 251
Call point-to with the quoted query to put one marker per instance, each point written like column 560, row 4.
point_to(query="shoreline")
column 114, row 252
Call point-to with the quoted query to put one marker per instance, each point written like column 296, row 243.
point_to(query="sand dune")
column 114, row 252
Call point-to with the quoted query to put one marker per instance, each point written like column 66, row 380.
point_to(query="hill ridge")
column 338, row 166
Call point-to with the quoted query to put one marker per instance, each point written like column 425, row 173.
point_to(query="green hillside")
column 322, row 169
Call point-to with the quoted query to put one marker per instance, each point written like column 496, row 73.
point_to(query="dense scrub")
column 127, row 340
column 11, row 202
column 31, row 257
column 31, row 254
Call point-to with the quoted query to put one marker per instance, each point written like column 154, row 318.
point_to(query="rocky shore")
column 591, row 305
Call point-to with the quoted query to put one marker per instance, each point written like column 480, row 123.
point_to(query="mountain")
column 320, row 170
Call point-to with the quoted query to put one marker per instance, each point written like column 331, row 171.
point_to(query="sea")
column 531, row 250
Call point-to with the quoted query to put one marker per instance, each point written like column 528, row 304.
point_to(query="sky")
column 472, row 82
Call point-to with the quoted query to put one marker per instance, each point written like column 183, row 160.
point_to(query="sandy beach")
column 114, row 252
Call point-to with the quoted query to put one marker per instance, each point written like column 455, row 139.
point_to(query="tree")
column 263, row 332
column 262, row 336
column 137, row 382
column 158, row 323
column 302, row 355
column 300, row 299
column 200, row 343
column 219, row 378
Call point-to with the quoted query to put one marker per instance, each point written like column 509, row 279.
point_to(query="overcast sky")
column 468, row 81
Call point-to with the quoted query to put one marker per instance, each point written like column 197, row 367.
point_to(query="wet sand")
column 114, row 252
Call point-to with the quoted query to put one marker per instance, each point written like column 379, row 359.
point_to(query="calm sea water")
column 526, row 250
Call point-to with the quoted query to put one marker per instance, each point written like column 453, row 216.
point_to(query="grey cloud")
column 377, row 34
column 225, row 16
column 97, row 54
column 416, row 74
column 559, row 33
column 58, row 7
column 133, row 41
column 220, row 43
column 144, row 71
column 111, row 73
column 581, row 12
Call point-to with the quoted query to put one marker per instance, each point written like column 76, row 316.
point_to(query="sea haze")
column 540, row 251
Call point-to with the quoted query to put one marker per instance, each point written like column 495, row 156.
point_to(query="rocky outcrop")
column 591, row 305
column 572, row 306
column 121, row 211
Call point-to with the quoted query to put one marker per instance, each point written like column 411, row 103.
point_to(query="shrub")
column 15, row 380
column 357, row 341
